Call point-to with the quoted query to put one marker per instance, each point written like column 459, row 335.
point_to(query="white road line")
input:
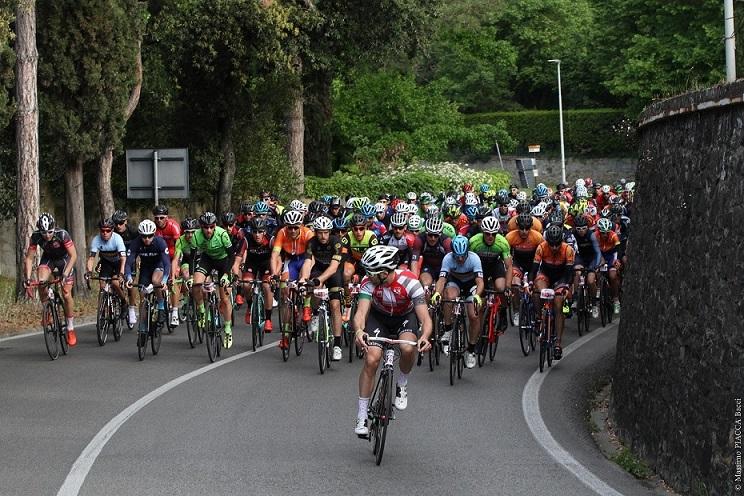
column 38, row 333
column 79, row 471
column 531, row 412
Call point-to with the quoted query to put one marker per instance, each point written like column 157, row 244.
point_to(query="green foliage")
column 399, row 180
column 592, row 132
column 634, row 466
column 386, row 117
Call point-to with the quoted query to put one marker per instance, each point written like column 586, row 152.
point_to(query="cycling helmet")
column 471, row 212
column 524, row 220
column 582, row 192
column 425, row 199
column 380, row 208
column 261, row 208
column 591, row 210
column 208, row 219
column 588, row 182
column 483, row 212
column 323, row 223
column 450, row 200
column 460, row 246
column 554, row 235
column 484, row 187
column 616, row 209
column 335, row 201
column 412, row 208
column 471, row 199
column 146, row 227
column 401, row 208
column 228, row 218
column 297, row 205
column 619, row 188
column 45, row 222
column 160, row 210
column 258, row 225
column 383, row 197
column 106, row 224
column 119, row 217
column 398, row 219
column 467, row 188
column 411, row 196
column 368, row 210
column 606, row 188
column 246, row 208
column 604, row 225
column 490, row 225
column 580, row 221
column 523, row 206
column 314, row 206
column 358, row 220
column 541, row 191
column 521, row 196
column 326, row 199
column 189, row 224
column 629, row 186
column 340, row 223
column 580, row 182
column 380, row 257
column 513, row 203
column 414, row 223
column 538, row 210
column 432, row 212
column 293, row 218
column 556, row 217
column 453, row 211
column 434, row 225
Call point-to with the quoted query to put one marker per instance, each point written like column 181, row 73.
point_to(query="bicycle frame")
column 547, row 334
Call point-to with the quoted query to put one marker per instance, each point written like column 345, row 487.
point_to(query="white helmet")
column 293, row 218
column 450, row 200
column 434, row 225
column 380, row 257
column 580, row 182
column 411, row 195
column 591, row 210
column 146, row 227
column 521, row 196
column 401, row 208
column 490, row 225
column 513, row 203
column 582, row 192
column 380, row 208
column 297, row 205
column 398, row 219
column 350, row 202
column 323, row 223
column 606, row 188
column 412, row 208
column 471, row 199
column 538, row 210
column 433, row 211
column 414, row 223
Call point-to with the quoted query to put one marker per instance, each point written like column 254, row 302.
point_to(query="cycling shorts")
column 467, row 288
column 146, row 273
column 107, row 269
column 292, row 267
column 206, row 265
column 59, row 265
column 386, row 326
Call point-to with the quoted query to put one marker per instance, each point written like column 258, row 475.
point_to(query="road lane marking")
column 79, row 471
column 531, row 412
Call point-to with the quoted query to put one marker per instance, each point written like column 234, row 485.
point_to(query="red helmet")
column 588, row 182
column 467, row 188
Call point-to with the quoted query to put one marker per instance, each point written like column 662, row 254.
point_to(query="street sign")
column 533, row 148
column 158, row 173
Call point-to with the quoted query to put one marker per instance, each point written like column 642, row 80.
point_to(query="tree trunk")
column 75, row 213
column 224, row 195
column 105, row 164
column 317, row 117
column 296, row 131
column 27, row 133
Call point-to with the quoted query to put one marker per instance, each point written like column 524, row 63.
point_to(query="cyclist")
column 287, row 257
column 428, row 251
column 495, row 254
column 608, row 245
column 588, row 256
column 255, row 256
column 391, row 304
column 58, row 253
column 216, row 252
column 113, row 256
column 524, row 242
column 461, row 275
column 184, row 260
column 522, row 207
column 399, row 238
column 323, row 257
column 553, row 266
column 170, row 231
column 128, row 234
column 154, row 268
column 357, row 242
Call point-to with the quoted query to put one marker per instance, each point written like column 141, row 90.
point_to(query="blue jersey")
column 464, row 272
column 151, row 257
column 111, row 250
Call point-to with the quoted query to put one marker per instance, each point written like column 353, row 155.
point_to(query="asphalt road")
column 257, row 425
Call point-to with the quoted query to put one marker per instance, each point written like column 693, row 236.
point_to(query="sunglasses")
column 105, row 231
column 259, row 232
column 266, row 199
column 190, row 231
column 398, row 228
column 49, row 233
column 432, row 235
column 293, row 228
column 121, row 223
column 358, row 229
column 208, row 227
column 147, row 236
column 161, row 217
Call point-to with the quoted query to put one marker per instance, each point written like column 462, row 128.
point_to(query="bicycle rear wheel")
column 191, row 327
column 142, row 336
column 322, row 340
column 387, row 412
column 299, row 330
column 581, row 309
column 157, row 336
column 453, row 352
column 482, row 347
column 102, row 318
column 493, row 329
column 257, row 321
column 602, row 297
column 51, row 336
column 525, row 329
column 550, row 341
column 462, row 339
column 59, row 312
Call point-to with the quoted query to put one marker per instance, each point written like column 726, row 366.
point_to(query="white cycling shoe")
column 469, row 360
column 361, row 428
column 337, row 354
column 401, row 397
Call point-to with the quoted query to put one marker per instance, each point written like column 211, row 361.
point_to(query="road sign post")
column 161, row 173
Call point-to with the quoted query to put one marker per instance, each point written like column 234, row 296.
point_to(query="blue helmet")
column 471, row 211
column 340, row 223
column 484, row 187
column 369, row 210
column 541, row 191
column 261, row 208
column 460, row 246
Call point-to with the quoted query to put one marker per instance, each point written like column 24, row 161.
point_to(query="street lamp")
column 560, row 116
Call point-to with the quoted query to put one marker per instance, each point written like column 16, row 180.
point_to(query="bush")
column 590, row 132
column 417, row 177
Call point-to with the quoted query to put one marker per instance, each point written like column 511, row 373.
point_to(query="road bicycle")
column 187, row 314
column 437, row 323
column 297, row 330
column 324, row 335
column 583, row 303
column 258, row 317
column 380, row 411
column 526, row 320
column 109, row 311
column 211, row 323
column 493, row 325
column 52, row 317
column 547, row 335
column 458, row 338
column 150, row 319
column 605, row 296
column 348, row 316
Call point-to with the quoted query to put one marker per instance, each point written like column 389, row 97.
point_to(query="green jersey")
column 184, row 248
column 498, row 251
column 448, row 229
column 217, row 247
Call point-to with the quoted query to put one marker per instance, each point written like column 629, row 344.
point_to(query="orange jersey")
column 536, row 224
column 292, row 247
column 523, row 250
column 609, row 242
column 551, row 259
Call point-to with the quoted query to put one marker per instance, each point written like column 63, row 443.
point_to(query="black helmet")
column 119, row 217
column 246, row 207
column 524, row 221
column 556, row 217
column 523, row 206
column 208, row 219
column 483, row 212
column 358, row 220
column 159, row 210
column 554, row 235
column 189, row 224
column 258, row 225
column 106, row 224
column 228, row 218
column 45, row 222
column 581, row 221
column 335, row 201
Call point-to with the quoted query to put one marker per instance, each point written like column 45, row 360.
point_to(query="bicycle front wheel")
column 212, row 336
column 115, row 317
column 102, row 319
column 157, row 336
column 386, row 410
column 482, row 347
column 191, row 328
column 581, row 310
column 525, row 329
column 299, row 330
column 59, row 312
column 322, row 340
column 51, row 336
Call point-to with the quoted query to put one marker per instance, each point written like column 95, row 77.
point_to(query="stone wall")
column 549, row 168
column 680, row 350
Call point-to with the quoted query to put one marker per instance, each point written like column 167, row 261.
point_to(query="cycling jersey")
column 151, row 257
column 523, row 250
column 111, row 251
column 55, row 248
column 556, row 266
column 536, row 225
column 463, row 272
column 404, row 244
column 448, row 230
column 292, row 247
column 170, row 233
column 430, row 256
column 492, row 255
column 396, row 299
column 257, row 252
column 588, row 253
column 324, row 254
column 185, row 250
column 378, row 228
column 217, row 247
column 128, row 235
column 357, row 248
column 608, row 243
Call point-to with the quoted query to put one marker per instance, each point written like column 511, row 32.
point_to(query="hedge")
column 587, row 132
column 400, row 180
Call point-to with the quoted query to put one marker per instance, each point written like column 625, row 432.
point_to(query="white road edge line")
column 79, row 471
column 531, row 412
column 38, row 333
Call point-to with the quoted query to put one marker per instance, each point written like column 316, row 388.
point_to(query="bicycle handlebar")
column 391, row 341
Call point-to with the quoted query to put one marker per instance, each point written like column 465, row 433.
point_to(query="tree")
column 27, row 133
column 86, row 72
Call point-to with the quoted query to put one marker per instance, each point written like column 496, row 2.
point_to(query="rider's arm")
column 362, row 310
column 164, row 257
column 91, row 260
column 28, row 261
column 535, row 263
column 276, row 259
column 597, row 252
column 119, row 241
column 73, row 258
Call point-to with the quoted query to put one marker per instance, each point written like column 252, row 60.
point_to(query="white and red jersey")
column 397, row 298
column 170, row 233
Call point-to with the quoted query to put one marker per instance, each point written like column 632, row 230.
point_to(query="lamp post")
column 560, row 117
